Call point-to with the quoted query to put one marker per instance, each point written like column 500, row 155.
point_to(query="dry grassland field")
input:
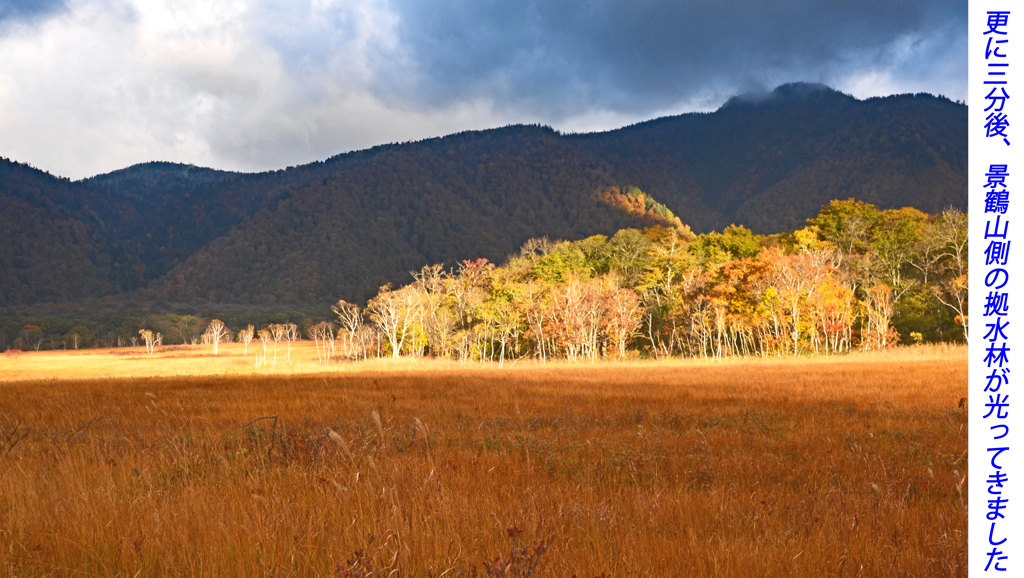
column 115, row 463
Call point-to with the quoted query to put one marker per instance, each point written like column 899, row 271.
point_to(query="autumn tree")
column 323, row 335
column 668, row 288
column 277, row 333
column 437, row 316
column 847, row 224
column 215, row 331
column 502, row 315
column 245, row 336
column 833, row 308
column 879, row 306
column 468, row 292
column 291, row 333
column 150, row 339
column 530, row 300
column 536, row 248
column 394, row 312
column 266, row 336
column 893, row 240
column 572, row 317
column 950, row 232
column 351, row 319
column 623, row 312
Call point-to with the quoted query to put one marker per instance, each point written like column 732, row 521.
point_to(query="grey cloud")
column 633, row 56
column 281, row 82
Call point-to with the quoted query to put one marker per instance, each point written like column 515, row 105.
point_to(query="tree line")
column 851, row 279
column 855, row 277
column 103, row 324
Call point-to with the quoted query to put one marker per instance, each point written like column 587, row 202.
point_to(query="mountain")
column 342, row 227
column 391, row 212
column 55, row 247
column 769, row 161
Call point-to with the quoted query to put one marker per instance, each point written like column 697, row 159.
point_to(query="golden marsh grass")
column 124, row 465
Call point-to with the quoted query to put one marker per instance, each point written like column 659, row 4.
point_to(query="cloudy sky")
column 89, row 86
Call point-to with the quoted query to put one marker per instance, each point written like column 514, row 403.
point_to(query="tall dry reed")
column 842, row 467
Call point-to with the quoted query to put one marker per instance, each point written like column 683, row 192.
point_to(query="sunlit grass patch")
column 851, row 465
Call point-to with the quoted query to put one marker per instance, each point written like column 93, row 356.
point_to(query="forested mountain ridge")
column 161, row 213
column 477, row 195
column 55, row 246
column 344, row 226
column 769, row 161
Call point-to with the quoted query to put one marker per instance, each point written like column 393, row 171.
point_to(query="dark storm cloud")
column 262, row 84
column 12, row 10
column 639, row 55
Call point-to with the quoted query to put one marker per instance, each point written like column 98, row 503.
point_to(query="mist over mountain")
column 342, row 227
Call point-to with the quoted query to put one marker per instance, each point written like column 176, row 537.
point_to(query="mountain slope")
column 770, row 161
column 55, row 247
column 342, row 227
column 466, row 196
